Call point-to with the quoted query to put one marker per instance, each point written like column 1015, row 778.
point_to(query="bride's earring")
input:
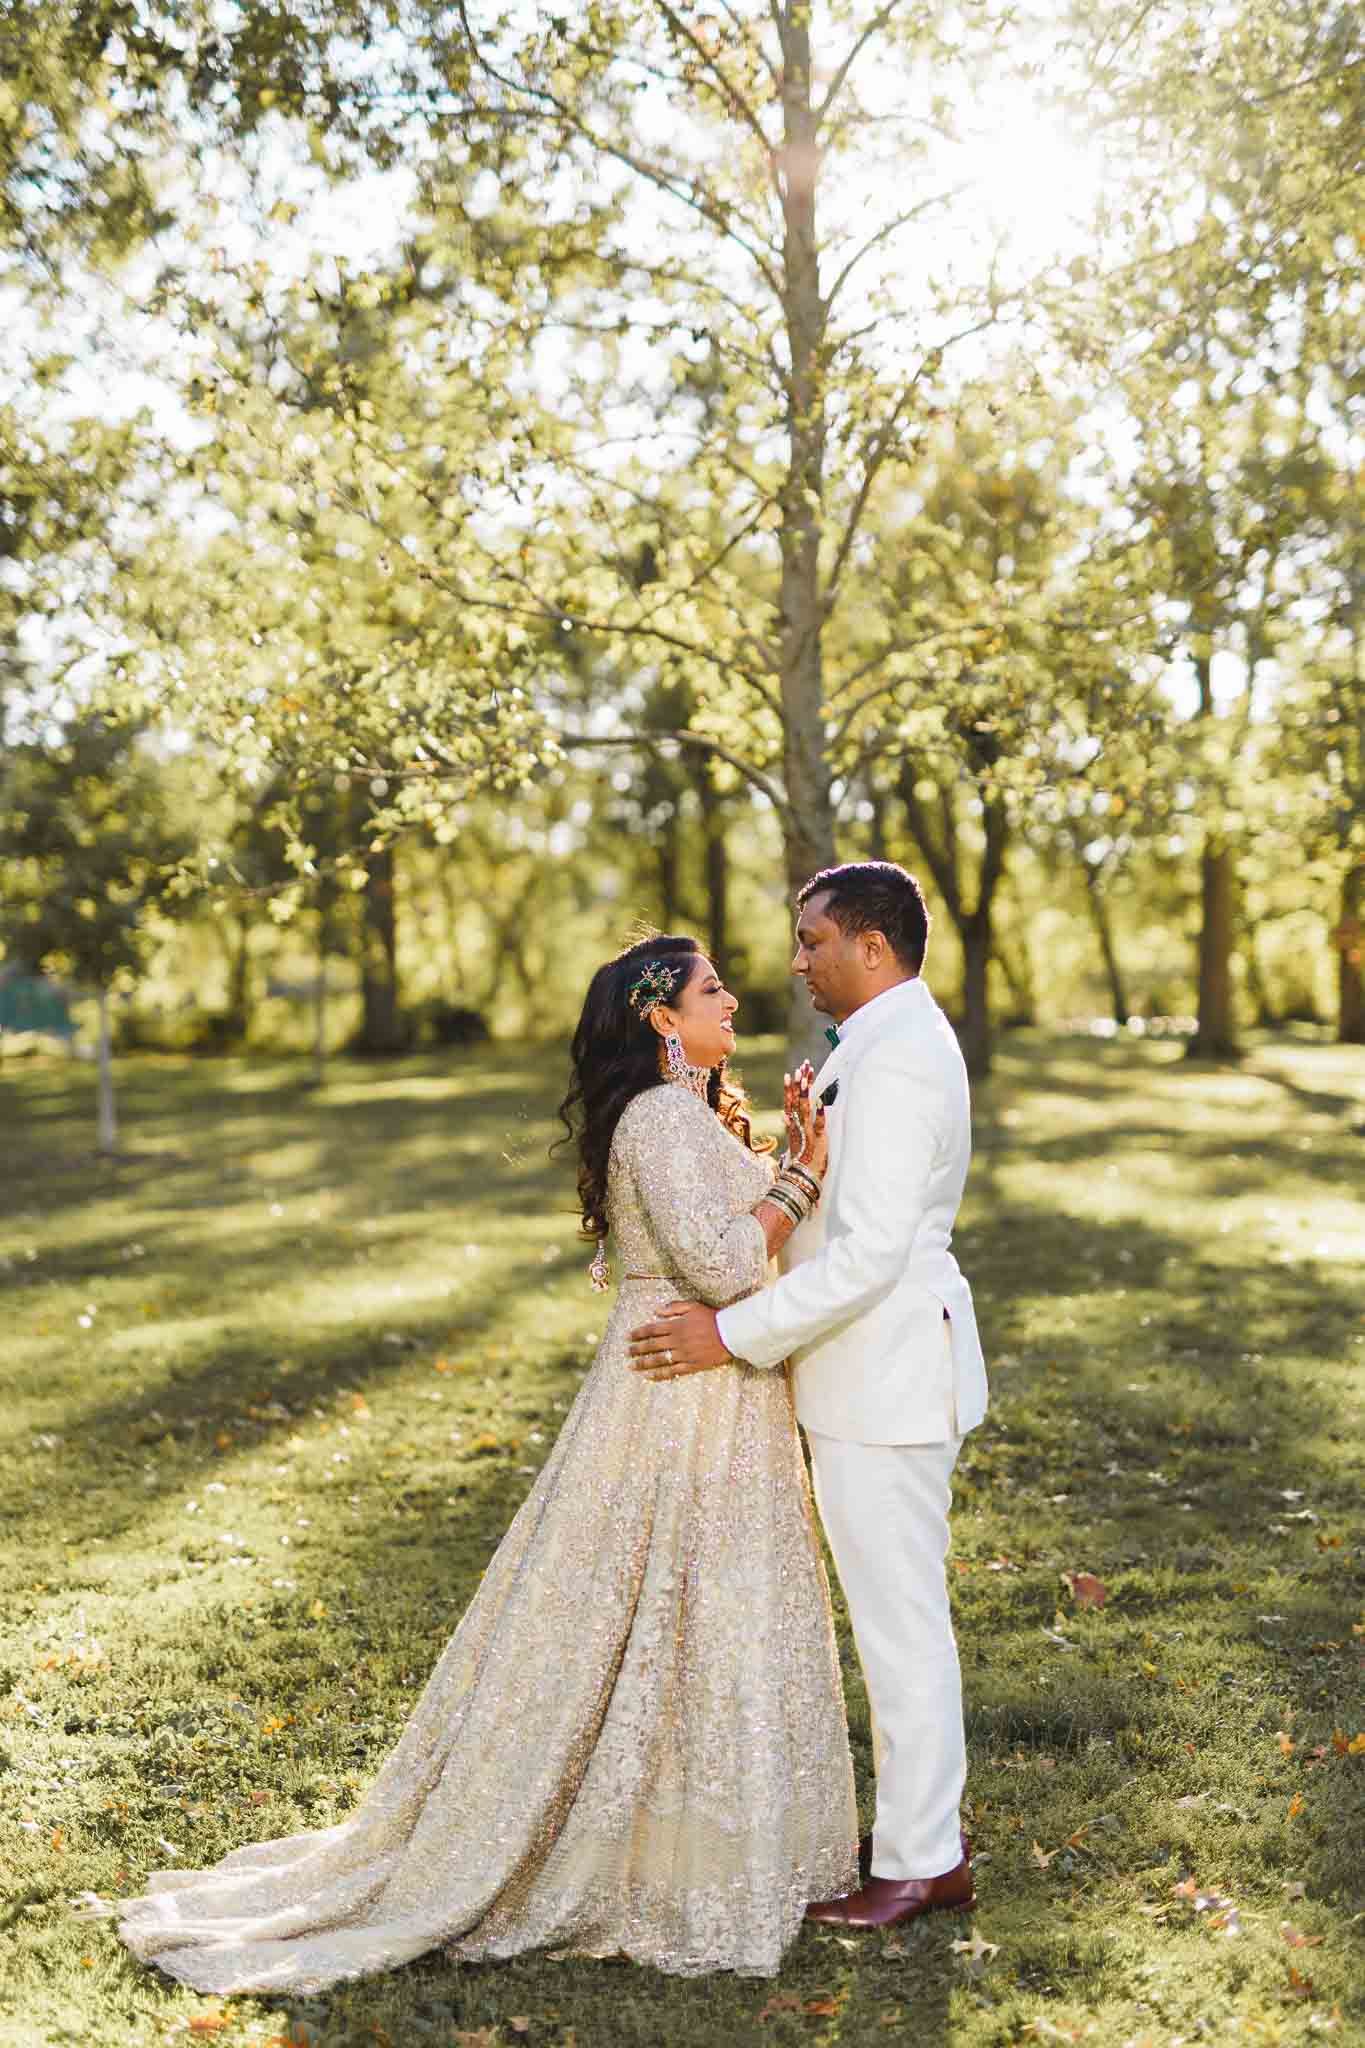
column 675, row 1056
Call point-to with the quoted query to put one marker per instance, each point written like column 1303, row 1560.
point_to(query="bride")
column 634, row 1743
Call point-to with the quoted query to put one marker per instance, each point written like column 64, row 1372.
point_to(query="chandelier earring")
column 677, row 1067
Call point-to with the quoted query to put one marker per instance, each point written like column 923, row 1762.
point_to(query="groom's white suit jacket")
column 860, row 1308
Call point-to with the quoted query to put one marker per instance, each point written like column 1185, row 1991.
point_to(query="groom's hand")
column 682, row 1338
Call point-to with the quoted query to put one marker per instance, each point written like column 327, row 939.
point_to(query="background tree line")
column 475, row 481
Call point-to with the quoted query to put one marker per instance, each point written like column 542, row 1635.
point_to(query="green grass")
column 276, row 1381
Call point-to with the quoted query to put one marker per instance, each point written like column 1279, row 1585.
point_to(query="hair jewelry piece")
column 654, row 986
column 599, row 1272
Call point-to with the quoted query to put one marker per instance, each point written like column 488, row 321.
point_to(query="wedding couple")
column 635, row 1743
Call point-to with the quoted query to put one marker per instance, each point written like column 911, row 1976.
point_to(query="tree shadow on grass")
column 1212, row 1411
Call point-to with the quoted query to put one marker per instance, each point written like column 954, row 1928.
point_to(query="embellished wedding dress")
column 634, row 1743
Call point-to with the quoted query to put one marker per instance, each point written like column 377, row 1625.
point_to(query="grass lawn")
column 276, row 1381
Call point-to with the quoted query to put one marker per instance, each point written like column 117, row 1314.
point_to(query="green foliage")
column 86, row 840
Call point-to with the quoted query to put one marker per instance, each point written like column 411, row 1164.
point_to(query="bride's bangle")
column 792, row 1189
column 804, row 1177
column 782, row 1198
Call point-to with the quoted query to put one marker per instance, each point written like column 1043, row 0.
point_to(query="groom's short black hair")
column 875, row 896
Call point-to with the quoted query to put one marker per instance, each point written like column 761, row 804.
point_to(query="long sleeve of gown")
column 668, row 1144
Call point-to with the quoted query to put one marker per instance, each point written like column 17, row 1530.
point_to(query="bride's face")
column 701, row 1015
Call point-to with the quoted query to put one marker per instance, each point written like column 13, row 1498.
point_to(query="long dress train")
column 635, row 1742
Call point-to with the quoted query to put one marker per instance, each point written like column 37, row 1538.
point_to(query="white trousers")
column 885, row 1511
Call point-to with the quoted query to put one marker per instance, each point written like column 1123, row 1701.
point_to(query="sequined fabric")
column 634, row 1743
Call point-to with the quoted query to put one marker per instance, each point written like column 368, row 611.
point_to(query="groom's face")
column 827, row 961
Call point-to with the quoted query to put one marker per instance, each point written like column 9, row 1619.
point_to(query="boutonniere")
column 829, row 1094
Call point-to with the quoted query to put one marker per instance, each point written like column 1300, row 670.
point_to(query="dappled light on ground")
column 279, row 1376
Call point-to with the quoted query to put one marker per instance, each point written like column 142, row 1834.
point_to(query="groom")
column 878, row 1321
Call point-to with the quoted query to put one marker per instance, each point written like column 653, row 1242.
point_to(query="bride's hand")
column 807, row 1141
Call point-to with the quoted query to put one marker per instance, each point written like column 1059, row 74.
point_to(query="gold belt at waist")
column 648, row 1276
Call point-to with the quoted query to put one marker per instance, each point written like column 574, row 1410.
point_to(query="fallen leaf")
column 976, row 1950
column 1298, row 1986
column 210, row 2023
column 1042, row 1857
column 1085, row 1589
column 780, row 2002
column 1286, row 1742
column 520, row 2023
column 1293, row 1938
column 1295, row 1807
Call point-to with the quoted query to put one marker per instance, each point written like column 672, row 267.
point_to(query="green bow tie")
column 832, row 1033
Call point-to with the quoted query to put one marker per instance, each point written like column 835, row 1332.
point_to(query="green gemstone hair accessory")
column 654, row 986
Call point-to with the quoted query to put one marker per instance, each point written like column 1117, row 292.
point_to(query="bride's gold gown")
column 634, row 1743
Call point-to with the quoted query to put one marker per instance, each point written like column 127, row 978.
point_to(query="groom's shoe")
column 887, row 1901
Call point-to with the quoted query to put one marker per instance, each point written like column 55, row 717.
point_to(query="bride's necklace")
column 697, row 1079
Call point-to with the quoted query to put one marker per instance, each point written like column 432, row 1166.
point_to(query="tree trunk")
column 876, row 829
column 239, row 981
column 941, row 849
column 976, row 1009
column 716, row 863
column 106, row 1123
column 320, row 1023
column 669, row 852
column 1017, row 967
column 809, row 823
column 1256, row 988
column 1099, row 912
column 381, row 1028
column 1351, row 960
column 1215, row 1038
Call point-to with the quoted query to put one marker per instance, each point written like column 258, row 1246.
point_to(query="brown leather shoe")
column 887, row 1901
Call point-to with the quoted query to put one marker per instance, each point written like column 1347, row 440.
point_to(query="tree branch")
column 880, row 449
column 890, row 228
column 752, row 775
column 874, row 28
column 942, row 870
column 734, row 99
column 664, row 181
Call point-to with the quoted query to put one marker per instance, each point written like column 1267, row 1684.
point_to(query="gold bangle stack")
column 795, row 1192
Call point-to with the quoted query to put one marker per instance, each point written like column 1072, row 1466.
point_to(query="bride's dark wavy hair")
column 614, row 1057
